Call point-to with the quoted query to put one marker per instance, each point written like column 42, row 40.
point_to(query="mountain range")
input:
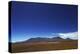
column 41, row 39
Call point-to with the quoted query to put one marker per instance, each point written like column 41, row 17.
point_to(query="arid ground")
column 43, row 46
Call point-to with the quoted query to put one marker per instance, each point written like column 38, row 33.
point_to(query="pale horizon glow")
column 71, row 35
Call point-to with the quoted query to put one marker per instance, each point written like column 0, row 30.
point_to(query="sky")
column 30, row 20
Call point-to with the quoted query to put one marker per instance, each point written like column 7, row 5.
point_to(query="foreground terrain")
column 43, row 46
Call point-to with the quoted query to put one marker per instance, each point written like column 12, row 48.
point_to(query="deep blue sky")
column 41, row 20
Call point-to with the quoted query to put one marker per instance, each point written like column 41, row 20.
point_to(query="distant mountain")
column 57, row 38
column 39, row 39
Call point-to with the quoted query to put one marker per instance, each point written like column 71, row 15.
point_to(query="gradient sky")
column 29, row 20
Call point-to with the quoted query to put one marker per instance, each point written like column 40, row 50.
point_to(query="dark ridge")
column 41, row 39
